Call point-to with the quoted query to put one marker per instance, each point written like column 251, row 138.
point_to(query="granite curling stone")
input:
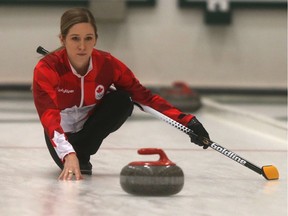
column 152, row 178
column 181, row 96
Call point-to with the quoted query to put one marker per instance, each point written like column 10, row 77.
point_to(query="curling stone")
column 152, row 178
column 181, row 96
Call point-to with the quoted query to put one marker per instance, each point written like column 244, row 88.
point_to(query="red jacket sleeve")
column 44, row 92
column 126, row 80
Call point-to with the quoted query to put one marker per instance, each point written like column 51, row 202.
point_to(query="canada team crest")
column 99, row 92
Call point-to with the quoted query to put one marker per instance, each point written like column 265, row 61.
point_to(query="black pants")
column 107, row 117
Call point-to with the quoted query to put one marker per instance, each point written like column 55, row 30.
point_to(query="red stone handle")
column 163, row 160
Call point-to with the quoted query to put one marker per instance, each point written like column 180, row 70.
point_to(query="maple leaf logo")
column 99, row 92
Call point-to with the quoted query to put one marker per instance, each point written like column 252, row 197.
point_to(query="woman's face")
column 79, row 43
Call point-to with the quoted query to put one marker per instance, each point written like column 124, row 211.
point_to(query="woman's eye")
column 75, row 38
column 89, row 38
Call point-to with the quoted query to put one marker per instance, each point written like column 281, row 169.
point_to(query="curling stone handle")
column 163, row 160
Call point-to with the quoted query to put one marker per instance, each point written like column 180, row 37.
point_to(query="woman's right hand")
column 71, row 168
column 199, row 133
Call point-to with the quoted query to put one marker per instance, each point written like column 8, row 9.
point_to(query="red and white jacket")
column 64, row 99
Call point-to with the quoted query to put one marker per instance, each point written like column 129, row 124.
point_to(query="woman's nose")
column 81, row 45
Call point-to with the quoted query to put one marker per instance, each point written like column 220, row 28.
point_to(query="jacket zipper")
column 82, row 91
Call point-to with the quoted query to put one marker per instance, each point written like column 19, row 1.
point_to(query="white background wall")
column 160, row 44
